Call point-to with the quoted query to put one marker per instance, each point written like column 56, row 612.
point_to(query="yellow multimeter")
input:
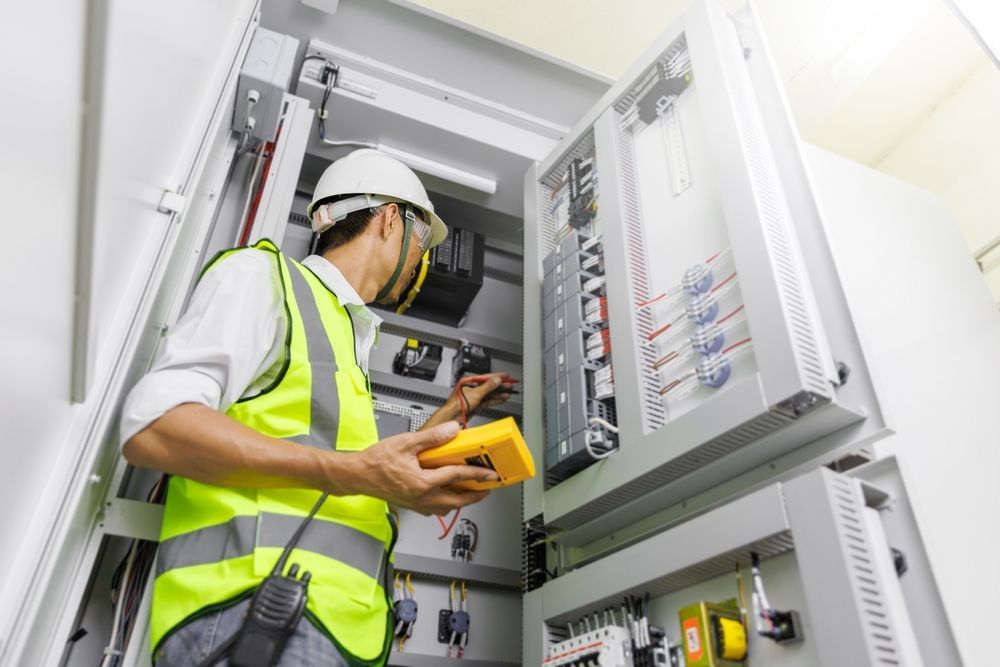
column 498, row 445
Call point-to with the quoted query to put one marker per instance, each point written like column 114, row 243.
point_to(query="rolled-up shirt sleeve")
column 229, row 341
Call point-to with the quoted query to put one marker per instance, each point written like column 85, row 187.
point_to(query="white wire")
column 122, row 587
column 590, row 449
column 349, row 142
column 758, row 584
column 597, row 421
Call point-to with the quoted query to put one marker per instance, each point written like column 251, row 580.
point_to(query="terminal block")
column 579, row 390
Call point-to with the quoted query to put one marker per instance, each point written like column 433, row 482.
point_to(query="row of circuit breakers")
column 579, row 386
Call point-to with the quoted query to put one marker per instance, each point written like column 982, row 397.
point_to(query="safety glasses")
column 420, row 228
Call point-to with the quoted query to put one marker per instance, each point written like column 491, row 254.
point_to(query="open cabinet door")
column 164, row 81
column 680, row 204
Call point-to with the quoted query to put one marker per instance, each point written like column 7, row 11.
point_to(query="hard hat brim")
column 439, row 231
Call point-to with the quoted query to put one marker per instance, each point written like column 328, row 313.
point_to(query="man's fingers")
column 446, row 500
column 496, row 399
column 485, row 388
column 448, row 475
column 432, row 437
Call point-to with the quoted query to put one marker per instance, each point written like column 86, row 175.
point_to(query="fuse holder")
column 498, row 445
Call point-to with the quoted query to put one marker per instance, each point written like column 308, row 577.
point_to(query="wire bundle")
column 127, row 585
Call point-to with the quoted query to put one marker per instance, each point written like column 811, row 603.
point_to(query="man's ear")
column 388, row 220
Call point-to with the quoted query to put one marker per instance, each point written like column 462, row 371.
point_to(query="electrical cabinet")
column 721, row 319
column 711, row 338
column 748, row 342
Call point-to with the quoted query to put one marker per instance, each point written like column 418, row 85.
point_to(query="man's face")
column 413, row 255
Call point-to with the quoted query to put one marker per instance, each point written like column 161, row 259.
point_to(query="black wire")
column 467, row 413
column 475, row 534
column 280, row 565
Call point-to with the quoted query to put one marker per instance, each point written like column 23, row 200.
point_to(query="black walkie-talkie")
column 274, row 612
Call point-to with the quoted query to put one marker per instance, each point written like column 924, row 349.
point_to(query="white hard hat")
column 376, row 178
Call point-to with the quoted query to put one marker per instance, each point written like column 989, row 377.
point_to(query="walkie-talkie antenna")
column 280, row 565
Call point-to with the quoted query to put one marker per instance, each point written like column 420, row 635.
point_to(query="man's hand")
column 197, row 442
column 491, row 391
column 389, row 470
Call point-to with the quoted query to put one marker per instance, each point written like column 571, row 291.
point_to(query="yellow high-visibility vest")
column 218, row 543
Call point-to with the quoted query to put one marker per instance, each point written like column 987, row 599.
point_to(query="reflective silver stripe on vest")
column 324, row 406
column 236, row 538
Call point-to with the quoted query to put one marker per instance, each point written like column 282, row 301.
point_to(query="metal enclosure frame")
column 776, row 233
column 836, row 525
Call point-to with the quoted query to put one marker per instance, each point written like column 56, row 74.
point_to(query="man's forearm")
column 194, row 441
column 450, row 411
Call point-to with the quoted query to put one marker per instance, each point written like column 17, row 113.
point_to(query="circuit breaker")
column 579, row 386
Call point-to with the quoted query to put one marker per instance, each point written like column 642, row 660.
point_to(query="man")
column 261, row 400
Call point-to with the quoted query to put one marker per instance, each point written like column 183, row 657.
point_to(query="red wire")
column 477, row 379
column 447, row 527
column 651, row 301
column 664, row 359
column 252, row 214
column 730, row 315
column 659, row 331
column 669, row 387
column 719, row 286
column 709, row 260
column 736, row 345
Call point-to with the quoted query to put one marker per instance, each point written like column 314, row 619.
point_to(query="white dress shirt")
column 229, row 344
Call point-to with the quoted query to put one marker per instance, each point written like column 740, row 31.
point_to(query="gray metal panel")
column 440, row 569
column 494, row 637
column 698, row 548
column 846, row 590
column 532, row 629
column 425, row 330
column 391, row 424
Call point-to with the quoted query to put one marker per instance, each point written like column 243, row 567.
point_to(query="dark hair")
column 346, row 230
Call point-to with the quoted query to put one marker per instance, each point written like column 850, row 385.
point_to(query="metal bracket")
column 132, row 518
column 172, row 202
column 356, row 88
